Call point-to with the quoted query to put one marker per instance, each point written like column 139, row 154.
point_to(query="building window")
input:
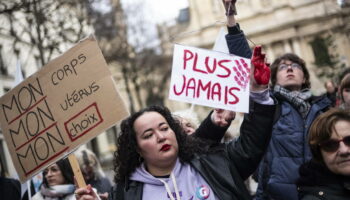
column 184, row 16
column 3, row 69
column 112, row 136
column 3, row 162
column 320, row 49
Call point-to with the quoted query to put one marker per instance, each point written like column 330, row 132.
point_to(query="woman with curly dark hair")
column 128, row 158
column 157, row 160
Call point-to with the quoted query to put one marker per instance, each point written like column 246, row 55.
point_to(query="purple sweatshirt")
column 184, row 181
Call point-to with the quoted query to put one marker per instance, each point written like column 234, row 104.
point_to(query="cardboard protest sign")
column 69, row 101
column 210, row 78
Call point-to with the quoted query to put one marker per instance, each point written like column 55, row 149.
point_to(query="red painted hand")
column 262, row 69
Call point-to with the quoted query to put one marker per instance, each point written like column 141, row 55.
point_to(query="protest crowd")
column 295, row 145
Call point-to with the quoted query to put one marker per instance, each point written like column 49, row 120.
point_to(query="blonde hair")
column 189, row 115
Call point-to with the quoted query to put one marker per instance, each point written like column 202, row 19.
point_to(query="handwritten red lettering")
column 221, row 64
column 213, row 91
column 216, row 91
column 209, row 70
column 183, row 86
column 191, row 86
column 188, row 55
column 202, row 87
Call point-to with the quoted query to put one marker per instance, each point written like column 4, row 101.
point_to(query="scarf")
column 57, row 191
column 297, row 98
column 343, row 106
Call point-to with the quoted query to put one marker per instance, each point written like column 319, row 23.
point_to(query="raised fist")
column 222, row 118
column 261, row 68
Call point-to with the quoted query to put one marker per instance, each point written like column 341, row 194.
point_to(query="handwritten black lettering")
column 31, row 123
column 67, row 70
column 78, row 95
column 82, row 125
column 40, row 149
column 27, row 96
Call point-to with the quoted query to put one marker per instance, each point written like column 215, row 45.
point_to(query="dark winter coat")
column 229, row 165
column 316, row 182
column 10, row 189
column 288, row 147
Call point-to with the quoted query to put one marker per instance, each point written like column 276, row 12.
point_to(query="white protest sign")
column 69, row 101
column 210, row 78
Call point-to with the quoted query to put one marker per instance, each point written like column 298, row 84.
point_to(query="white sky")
column 164, row 10
column 159, row 11
column 145, row 14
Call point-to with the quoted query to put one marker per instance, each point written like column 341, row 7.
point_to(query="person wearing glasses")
column 288, row 148
column 327, row 175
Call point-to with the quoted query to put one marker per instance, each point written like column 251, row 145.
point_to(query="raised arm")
column 248, row 150
column 236, row 40
column 215, row 125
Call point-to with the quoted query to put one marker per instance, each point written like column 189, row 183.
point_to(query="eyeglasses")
column 285, row 66
column 332, row 145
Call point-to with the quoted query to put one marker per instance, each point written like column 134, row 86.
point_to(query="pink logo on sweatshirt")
column 202, row 192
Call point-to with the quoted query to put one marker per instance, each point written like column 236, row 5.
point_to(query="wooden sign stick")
column 76, row 170
column 77, row 173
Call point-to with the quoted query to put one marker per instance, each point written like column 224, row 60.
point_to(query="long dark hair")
column 66, row 171
column 127, row 158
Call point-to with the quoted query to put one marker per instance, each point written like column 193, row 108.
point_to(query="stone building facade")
column 280, row 26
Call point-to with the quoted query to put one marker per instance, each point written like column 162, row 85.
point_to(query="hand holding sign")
column 261, row 68
column 59, row 108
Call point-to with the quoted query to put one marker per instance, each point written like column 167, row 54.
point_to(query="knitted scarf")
column 57, row 191
column 299, row 99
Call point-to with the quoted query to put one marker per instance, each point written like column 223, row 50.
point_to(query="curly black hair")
column 127, row 159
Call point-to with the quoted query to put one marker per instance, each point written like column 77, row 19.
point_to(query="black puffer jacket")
column 316, row 182
column 229, row 165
